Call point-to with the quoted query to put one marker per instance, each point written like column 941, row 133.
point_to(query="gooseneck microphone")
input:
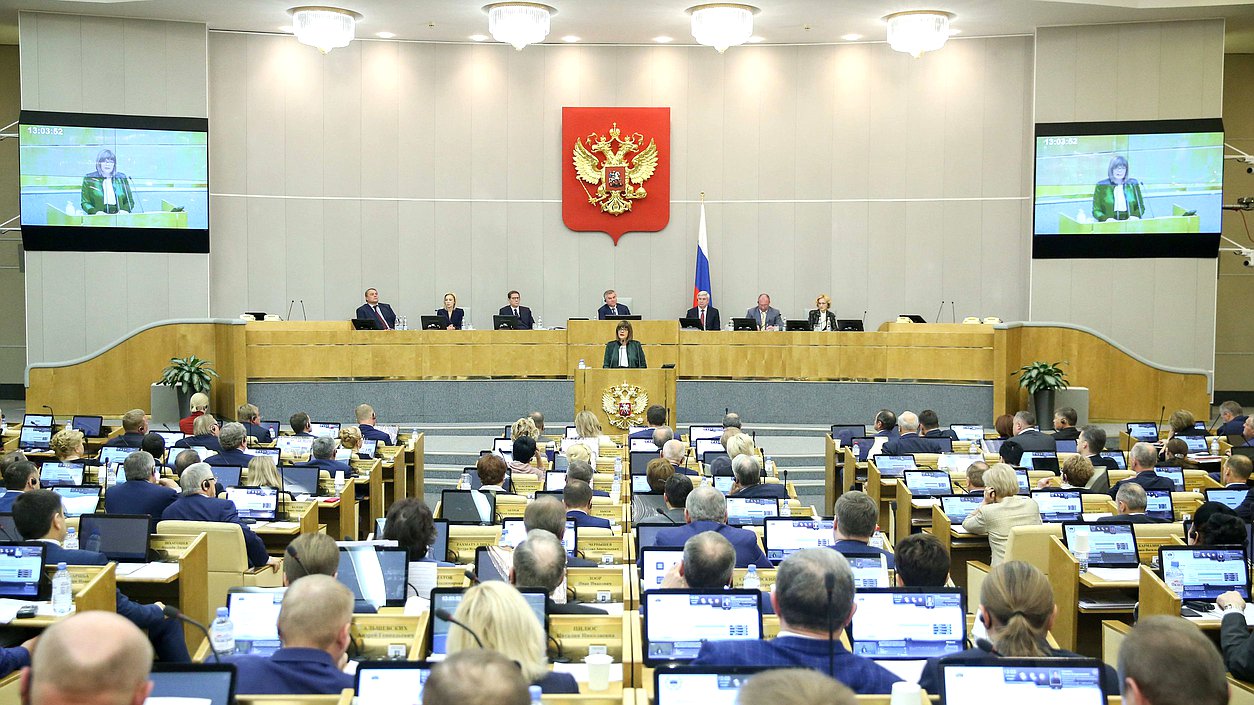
column 938, row 312
column 172, row 612
column 52, row 414
column 444, row 615
column 1162, row 416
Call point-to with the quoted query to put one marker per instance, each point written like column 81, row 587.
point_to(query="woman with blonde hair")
column 1076, row 471
column 740, row 444
column 504, row 622
column 67, row 445
column 1016, row 612
column 450, row 316
column 351, row 440
column 1002, row 510
column 579, row 451
column 588, row 430
column 821, row 317
column 263, row 473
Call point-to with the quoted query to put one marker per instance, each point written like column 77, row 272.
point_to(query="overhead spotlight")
column 324, row 28
column 385, row 35
column 722, row 24
column 851, row 37
column 663, row 39
column 519, row 23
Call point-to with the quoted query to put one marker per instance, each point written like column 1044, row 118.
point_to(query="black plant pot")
column 1043, row 404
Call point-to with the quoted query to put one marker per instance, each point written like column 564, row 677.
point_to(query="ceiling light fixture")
column 479, row 37
column 663, row 39
column 851, row 37
column 918, row 31
column 519, row 23
column 385, row 35
column 325, row 28
column 570, row 39
column 722, row 24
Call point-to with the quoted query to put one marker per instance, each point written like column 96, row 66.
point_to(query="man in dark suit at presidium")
column 381, row 314
column 704, row 312
column 517, row 310
column 611, row 306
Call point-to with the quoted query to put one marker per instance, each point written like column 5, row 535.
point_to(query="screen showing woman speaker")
column 117, row 183
column 1128, row 189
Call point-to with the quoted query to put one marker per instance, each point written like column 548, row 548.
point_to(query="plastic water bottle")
column 539, row 323
column 71, row 540
column 975, row 445
column 536, row 695
column 93, row 542
column 464, row 484
column 857, row 455
column 222, row 633
column 752, row 581
column 616, row 489
column 730, row 326
column 1082, row 550
column 62, row 591
column 770, row 467
column 1083, row 558
column 339, row 481
column 1214, row 446
column 582, row 365
column 110, row 476
column 877, row 539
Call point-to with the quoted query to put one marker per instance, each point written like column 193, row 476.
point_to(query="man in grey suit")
column 764, row 316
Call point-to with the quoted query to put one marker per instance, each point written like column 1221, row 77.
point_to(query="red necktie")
column 381, row 318
column 702, row 319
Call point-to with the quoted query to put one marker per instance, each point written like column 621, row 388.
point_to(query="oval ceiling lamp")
column 324, row 28
column 722, row 24
column 519, row 23
column 917, row 31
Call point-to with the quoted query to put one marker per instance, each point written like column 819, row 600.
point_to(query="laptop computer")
column 640, row 485
column 206, row 683
column 255, row 613
column 468, row 506
column 172, row 437
column 294, row 445
column 928, row 483
column 439, row 545
column 77, row 500
column 1121, row 461
column 708, row 685
column 506, row 322
column 37, row 420
column 121, row 537
column 272, row 427
column 908, row 624
column 646, row 534
column 365, row 324
column 1049, row 681
column 656, row 562
column 696, row 433
column 555, row 481
column 959, row 506
column 257, row 503
column 22, row 571
column 1202, row 573
column 300, row 481
column 640, row 445
column 53, row 474
column 391, row 682
column 1173, row 473
column 1159, row 505
column 967, row 432
column 894, row 465
column 449, row 598
column 1196, row 444
column 784, row 536
column 870, row 570
column 229, row 475
column 846, row 432
column 514, row 532
column 110, row 455
column 1022, row 476
column 675, row 622
column 992, row 445
column 326, row 429
column 35, row 438
column 1040, row 460
column 749, row 511
column 486, row 568
column 957, row 462
column 1229, row 498
column 849, row 325
column 723, row 483
column 707, row 445
column 1059, row 505
column 640, row 460
column 90, row 425
column 1143, row 431
column 375, row 574
column 1065, row 446
column 1110, row 544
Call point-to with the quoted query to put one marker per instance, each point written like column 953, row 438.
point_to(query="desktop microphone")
column 1210, row 430
column 172, row 612
column 1162, row 416
column 444, row 615
column 985, row 645
column 52, row 414
column 290, row 304
column 829, row 582
column 470, row 575
column 303, row 314
column 938, row 311
column 864, row 319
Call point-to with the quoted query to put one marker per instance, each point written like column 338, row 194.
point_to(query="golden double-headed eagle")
column 619, row 180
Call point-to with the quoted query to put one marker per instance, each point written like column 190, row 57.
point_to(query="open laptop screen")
column 325, row 429
column 1144, row 431
column 1173, row 473
column 677, row 622
column 1229, row 498
column 783, row 536
column 1059, row 505
column 1110, row 545
column 89, row 425
column 391, row 682
column 1121, row 462
column 202, row 683
column 375, row 574
column 905, row 623
column 255, row 614
column 1204, row 573
column 743, row 511
column 894, row 465
column 870, row 570
column 450, row 598
column 657, row 561
column 77, row 500
column 696, row 433
column 38, row 420
column 928, row 483
column 121, row 537
column 959, row 506
column 21, row 570
column 261, row 503
column 1035, row 681
column 53, row 474
column 967, row 432
column 1158, row 505
column 708, row 685
column 35, row 438
column 467, row 506
column 301, row 480
column 294, row 445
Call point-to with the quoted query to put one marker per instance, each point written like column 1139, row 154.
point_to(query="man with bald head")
column 675, row 452
column 476, row 677
column 92, row 657
column 910, row 441
column 314, row 624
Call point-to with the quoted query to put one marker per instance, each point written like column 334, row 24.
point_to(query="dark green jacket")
column 1104, row 199
column 93, row 193
column 635, row 354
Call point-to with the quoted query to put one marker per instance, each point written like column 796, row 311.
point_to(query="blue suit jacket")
column 857, row 548
column 1146, row 479
column 233, row 458
column 524, row 315
column 942, row 433
column 290, row 672
column 13, row 659
column 370, row 433
column 1232, row 428
column 207, row 440
column 554, row 683
column 605, row 311
column 774, row 490
column 364, row 311
column 261, row 433
column 126, row 440
column 139, row 497
column 197, row 507
column 908, row 443
column 329, row 464
column 861, row 675
column 744, row 541
column 7, row 499
column 581, row 519
column 458, row 316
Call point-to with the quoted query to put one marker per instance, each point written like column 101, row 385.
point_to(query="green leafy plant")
column 189, row 374
column 1041, row 376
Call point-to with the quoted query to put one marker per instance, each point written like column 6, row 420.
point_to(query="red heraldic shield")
column 616, row 169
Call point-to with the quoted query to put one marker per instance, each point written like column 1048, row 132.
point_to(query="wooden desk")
column 188, row 590
column 962, row 548
column 300, row 517
column 1078, row 628
column 340, row 514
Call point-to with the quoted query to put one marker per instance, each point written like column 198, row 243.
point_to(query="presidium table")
column 117, row 378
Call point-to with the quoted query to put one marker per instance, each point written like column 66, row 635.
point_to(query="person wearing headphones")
column 200, row 503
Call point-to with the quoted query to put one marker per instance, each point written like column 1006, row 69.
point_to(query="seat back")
column 1031, row 544
column 225, row 542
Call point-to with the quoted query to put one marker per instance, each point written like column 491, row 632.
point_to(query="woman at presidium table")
column 107, row 190
column 624, row 351
column 450, row 315
column 822, row 318
column 1117, row 196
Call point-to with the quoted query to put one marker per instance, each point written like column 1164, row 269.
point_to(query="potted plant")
column 1042, row 380
column 186, row 376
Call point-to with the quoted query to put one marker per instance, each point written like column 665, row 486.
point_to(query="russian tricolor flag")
column 702, row 280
